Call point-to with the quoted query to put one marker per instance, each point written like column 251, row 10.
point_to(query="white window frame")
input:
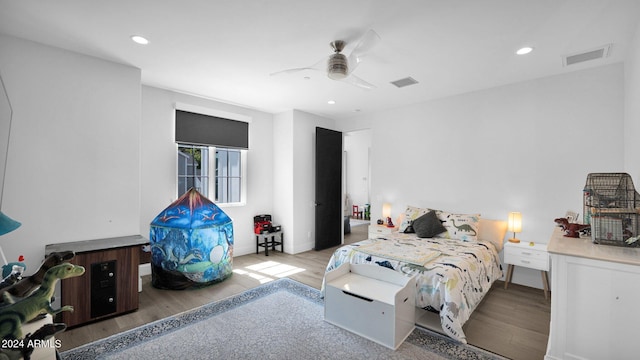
column 211, row 168
column 243, row 176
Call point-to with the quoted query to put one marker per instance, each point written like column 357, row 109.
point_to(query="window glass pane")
column 234, row 163
column 191, row 182
column 222, row 184
column 203, row 185
column 234, row 190
column 182, row 185
column 221, row 163
column 192, row 165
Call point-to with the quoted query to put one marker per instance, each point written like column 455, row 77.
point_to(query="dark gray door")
column 328, row 188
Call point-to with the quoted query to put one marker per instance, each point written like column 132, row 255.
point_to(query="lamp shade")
column 7, row 224
column 386, row 210
column 515, row 222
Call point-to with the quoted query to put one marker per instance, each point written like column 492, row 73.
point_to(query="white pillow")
column 459, row 226
column 410, row 214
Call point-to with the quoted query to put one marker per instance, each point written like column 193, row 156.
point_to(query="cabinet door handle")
column 357, row 296
column 525, row 261
column 526, row 253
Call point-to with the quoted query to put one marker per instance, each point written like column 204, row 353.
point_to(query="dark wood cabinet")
column 109, row 285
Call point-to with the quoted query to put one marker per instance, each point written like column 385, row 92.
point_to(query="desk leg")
column 545, row 282
column 509, row 274
column 257, row 244
column 266, row 245
column 282, row 242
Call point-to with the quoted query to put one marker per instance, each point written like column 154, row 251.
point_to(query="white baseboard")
column 143, row 269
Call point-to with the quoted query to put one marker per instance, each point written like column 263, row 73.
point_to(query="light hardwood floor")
column 513, row 323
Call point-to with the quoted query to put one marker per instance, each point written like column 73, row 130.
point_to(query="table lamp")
column 514, row 225
column 386, row 213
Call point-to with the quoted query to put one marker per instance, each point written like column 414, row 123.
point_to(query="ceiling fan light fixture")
column 337, row 67
column 524, row 50
column 138, row 39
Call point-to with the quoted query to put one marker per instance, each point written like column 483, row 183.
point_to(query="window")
column 223, row 174
column 212, row 149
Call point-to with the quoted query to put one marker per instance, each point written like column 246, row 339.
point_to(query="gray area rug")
column 279, row 320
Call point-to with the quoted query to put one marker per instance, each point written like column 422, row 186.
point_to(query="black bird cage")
column 612, row 208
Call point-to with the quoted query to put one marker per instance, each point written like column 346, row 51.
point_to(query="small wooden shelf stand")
column 270, row 240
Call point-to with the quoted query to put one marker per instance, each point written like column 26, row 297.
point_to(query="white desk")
column 594, row 300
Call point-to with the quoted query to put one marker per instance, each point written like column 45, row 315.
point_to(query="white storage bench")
column 371, row 301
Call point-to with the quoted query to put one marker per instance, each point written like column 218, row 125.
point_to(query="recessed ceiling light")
column 331, row 102
column 139, row 39
column 525, row 50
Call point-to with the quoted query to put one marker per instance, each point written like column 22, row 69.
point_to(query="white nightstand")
column 530, row 256
column 380, row 231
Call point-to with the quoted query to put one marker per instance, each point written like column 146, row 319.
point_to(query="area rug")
column 279, row 320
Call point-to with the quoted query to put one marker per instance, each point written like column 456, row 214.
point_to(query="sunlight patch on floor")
column 268, row 271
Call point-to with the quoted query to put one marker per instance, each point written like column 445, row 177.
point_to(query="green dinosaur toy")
column 18, row 312
column 27, row 285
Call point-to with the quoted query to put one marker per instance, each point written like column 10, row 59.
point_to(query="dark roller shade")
column 201, row 129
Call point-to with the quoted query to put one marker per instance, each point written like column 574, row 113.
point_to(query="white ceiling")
column 226, row 49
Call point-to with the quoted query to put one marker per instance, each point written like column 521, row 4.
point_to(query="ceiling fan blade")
column 290, row 71
column 368, row 41
column 354, row 80
column 319, row 66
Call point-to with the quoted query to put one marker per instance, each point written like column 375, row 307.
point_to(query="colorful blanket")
column 412, row 251
column 452, row 284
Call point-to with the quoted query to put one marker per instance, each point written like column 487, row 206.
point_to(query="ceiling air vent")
column 599, row 53
column 404, row 82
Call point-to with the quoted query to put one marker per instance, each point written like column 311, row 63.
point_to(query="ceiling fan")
column 340, row 67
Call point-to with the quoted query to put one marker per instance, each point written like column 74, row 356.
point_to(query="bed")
column 455, row 268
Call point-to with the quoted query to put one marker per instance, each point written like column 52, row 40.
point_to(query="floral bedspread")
column 452, row 284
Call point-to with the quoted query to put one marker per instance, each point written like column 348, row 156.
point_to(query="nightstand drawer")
column 377, row 231
column 522, row 255
column 528, row 261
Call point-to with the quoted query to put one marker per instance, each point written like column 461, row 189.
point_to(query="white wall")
column 159, row 161
column 73, row 171
column 357, row 145
column 294, row 191
column 524, row 147
column 283, row 194
column 632, row 110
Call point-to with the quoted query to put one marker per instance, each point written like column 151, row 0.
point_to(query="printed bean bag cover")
column 191, row 244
